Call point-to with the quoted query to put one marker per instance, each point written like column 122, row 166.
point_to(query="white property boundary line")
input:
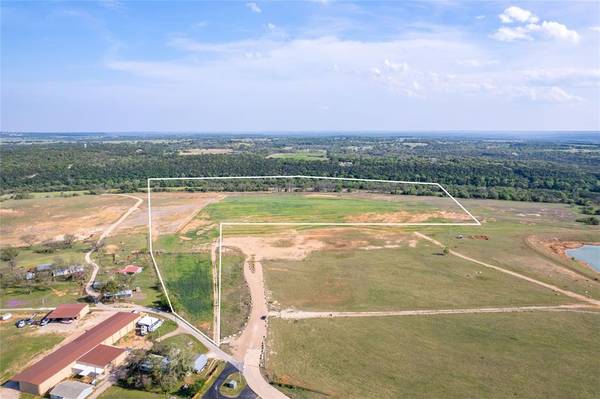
column 218, row 323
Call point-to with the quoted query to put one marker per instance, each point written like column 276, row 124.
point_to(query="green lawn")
column 525, row 355
column 235, row 296
column 185, row 342
column 189, row 281
column 394, row 279
column 19, row 346
column 167, row 327
column 117, row 392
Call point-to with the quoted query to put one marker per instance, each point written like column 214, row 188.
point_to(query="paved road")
column 515, row 274
column 106, row 233
column 292, row 314
column 213, row 392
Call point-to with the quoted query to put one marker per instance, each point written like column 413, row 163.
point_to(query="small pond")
column 589, row 254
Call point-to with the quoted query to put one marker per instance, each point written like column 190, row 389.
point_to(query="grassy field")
column 315, row 155
column 399, row 278
column 19, row 346
column 308, row 208
column 189, row 280
column 235, row 296
column 510, row 227
column 526, row 355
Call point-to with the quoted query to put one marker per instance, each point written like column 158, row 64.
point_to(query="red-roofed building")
column 130, row 269
column 69, row 311
column 60, row 364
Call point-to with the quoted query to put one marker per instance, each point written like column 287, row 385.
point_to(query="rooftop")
column 69, row 353
column 70, row 389
column 67, row 311
column 101, row 356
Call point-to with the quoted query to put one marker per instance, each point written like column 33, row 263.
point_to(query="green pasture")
column 395, row 279
column 521, row 355
column 235, row 296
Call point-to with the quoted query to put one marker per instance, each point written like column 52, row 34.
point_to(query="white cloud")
column 397, row 67
column 595, row 28
column 480, row 17
column 506, row 34
column 476, row 63
column 557, row 31
column 253, row 7
column 517, row 14
column 547, row 29
column 271, row 26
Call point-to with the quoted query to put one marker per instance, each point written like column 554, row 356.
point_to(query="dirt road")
column 248, row 346
column 106, row 233
column 515, row 274
column 292, row 314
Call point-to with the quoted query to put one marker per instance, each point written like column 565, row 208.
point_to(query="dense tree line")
column 467, row 169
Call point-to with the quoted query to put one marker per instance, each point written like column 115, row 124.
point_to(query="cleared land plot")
column 48, row 218
column 525, row 355
column 411, row 275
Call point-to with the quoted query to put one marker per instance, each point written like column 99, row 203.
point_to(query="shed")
column 71, row 390
column 69, row 311
column 200, row 363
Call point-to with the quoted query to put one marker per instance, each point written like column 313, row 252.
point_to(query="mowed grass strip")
column 304, row 208
column 235, row 295
column 188, row 278
column 396, row 279
column 522, row 355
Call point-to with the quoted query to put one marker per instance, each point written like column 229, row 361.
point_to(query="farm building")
column 119, row 294
column 69, row 311
column 68, row 271
column 130, row 269
column 71, row 390
column 92, row 348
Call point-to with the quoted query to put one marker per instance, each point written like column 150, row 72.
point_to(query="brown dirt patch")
column 52, row 218
column 406, row 217
column 479, row 237
column 171, row 212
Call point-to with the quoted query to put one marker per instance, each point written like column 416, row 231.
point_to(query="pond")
column 589, row 254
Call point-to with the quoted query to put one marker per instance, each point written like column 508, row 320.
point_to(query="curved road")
column 106, row 233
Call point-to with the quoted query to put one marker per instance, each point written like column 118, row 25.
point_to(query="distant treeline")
column 467, row 170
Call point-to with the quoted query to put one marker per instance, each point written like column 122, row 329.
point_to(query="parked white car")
column 6, row 316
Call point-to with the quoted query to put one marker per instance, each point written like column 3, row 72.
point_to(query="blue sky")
column 300, row 66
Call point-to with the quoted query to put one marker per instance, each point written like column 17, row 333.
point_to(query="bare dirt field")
column 171, row 212
column 51, row 218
